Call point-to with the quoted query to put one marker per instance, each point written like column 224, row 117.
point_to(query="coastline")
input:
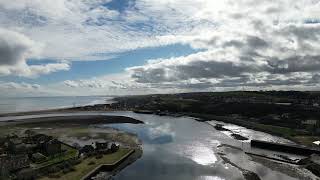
column 273, row 130
column 66, row 119
column 72, row 119
column 51, row 111
column 73, row 129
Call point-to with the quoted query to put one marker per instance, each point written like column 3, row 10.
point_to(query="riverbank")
column 96, row 108
column 297, row 120
column 79, row 131
column 191, row 144
column 293, row 135
column 297, row 136
column 287, row 133
column 86, row 169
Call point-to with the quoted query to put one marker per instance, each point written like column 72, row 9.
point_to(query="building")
column 14, row 162
column 38, row 157
column 114, row 147
column 15, row 146
column 87, row 149
column 41, row 138
column 101, row 146
column 311, row 122
column 51, row 147
column 312, row 125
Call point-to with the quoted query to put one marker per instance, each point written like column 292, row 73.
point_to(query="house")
column 14, row 162
column 40, row 138
column 86, row 149
column 311, row 122
column 312, row 125
column 101, row 146
column 38, row 157
column 51, row 147
column 15, row 146
column 114, row 147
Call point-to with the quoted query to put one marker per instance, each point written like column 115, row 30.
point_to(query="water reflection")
column 203, row 155
column 175, row 148
column 183, row 149
column 149, row 133
column 210, row 178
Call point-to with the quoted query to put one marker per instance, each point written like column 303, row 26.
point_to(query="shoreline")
column 52, row 111
column 103, row 108
column 246, row 173
column 77, row 127
column 70, row 120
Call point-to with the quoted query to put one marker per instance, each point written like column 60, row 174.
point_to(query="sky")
column 126, row 47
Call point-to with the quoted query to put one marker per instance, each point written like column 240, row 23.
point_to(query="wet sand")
column 71, row 120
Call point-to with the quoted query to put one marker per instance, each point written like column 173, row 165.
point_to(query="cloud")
column 13, row 85
column 254, row 44
column 15, row 89
column 244, row 43
column 15, row 48
column 77, row 30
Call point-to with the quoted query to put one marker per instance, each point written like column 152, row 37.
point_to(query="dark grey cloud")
column 295, row 64
column 256, row 42
column 286, row 56
column 195, row 69
column 12, row 48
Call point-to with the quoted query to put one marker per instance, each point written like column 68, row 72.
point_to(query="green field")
column 85, row 166
column 69, row 154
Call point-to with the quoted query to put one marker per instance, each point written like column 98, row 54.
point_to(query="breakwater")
column 292, row 149
column 107, row 167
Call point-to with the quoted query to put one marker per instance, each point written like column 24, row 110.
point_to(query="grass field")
column 85, row 166
column 70, row 153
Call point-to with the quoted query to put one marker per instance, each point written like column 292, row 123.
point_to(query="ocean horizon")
column 24, row 104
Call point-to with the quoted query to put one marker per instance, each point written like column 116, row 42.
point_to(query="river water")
column 185, row 149
column 182, row 149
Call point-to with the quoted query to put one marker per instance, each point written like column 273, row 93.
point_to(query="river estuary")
column 182, row 148
column 185, row 149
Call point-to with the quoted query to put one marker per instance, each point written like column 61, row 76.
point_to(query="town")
column 32, row 155
column 290, row 114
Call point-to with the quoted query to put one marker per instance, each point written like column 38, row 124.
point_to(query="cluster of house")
column 99, row 147
column 313, row 125
column 18, row 152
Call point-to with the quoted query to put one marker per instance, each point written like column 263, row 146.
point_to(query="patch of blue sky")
column 312, row 21
column 88, row 69
column 119, row 5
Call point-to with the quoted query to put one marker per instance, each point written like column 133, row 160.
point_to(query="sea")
column 23, row 104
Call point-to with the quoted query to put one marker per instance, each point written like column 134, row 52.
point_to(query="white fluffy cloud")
column 243, row 43
column 253, row 44
column 74, row 30
column 15, row 48
column 16, row 89
column 13, row 85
